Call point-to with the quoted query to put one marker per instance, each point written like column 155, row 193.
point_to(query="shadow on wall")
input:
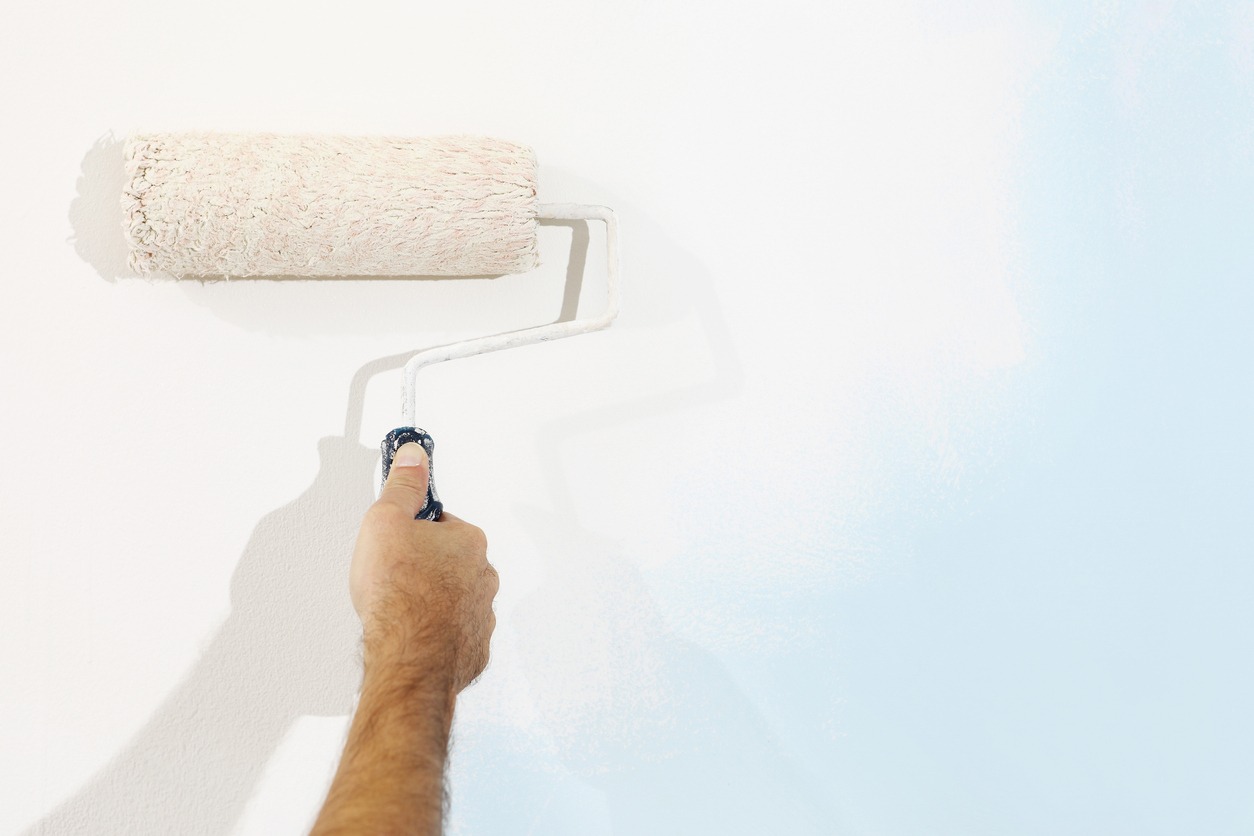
column 96, row 214
column 289, row 648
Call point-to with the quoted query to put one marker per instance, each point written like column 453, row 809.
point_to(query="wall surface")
column 910, row 494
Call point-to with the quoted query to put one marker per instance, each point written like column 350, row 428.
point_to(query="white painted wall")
column 910, row 494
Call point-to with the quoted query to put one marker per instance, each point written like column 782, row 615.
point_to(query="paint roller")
column 211, row 204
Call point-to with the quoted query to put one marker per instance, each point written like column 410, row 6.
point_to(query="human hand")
column 424, row 593
column 423, row 589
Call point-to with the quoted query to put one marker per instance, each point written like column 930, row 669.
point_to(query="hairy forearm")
column 391, row 776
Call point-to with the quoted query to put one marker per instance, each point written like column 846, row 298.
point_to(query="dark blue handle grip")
column 433, row 508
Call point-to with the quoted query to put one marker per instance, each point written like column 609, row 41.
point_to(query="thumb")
column 406, row 486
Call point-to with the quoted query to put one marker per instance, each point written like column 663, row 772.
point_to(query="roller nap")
column 236, row 204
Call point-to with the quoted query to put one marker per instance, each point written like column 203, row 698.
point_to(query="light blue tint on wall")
column 1070, row 652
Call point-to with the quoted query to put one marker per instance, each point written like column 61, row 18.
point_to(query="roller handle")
column 432, row 508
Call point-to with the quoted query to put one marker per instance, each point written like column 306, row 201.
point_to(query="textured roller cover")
column 236, row 204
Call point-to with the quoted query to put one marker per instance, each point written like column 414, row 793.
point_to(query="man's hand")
column 422, row 588
column 424, row 593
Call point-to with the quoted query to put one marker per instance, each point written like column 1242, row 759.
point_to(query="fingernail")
column 410, row 454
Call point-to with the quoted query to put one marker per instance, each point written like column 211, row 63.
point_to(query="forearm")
column 391, row 776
